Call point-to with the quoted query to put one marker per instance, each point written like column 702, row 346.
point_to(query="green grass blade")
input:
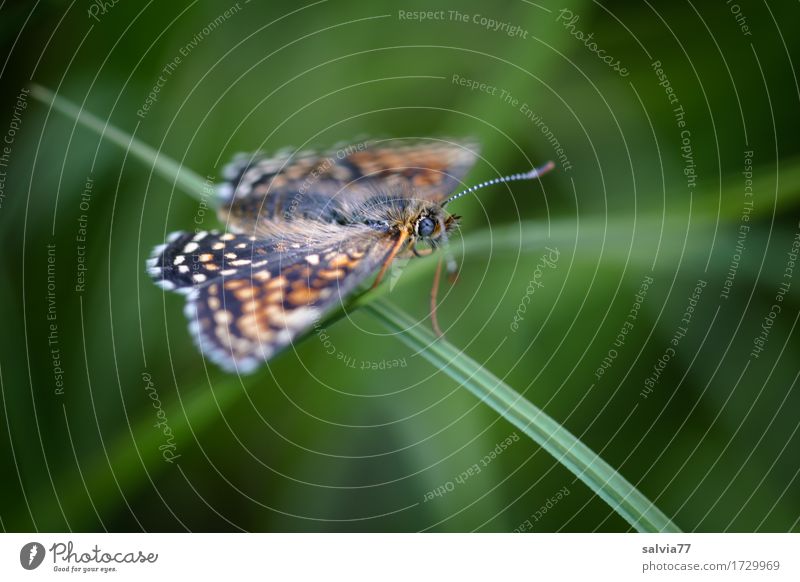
column 166, row 167
column 598, row 475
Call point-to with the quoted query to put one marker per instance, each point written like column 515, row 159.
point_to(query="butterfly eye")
column 425, row 226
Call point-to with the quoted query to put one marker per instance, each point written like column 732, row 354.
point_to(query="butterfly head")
column 409, row 218
column 431, row 224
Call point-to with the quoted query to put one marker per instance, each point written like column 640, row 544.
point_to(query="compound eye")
column 425, row 226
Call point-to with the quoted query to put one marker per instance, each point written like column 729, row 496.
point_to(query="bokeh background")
column 356, row 441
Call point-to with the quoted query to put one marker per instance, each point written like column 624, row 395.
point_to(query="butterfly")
column 304, row 230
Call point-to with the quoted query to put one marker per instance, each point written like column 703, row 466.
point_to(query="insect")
column 303, row 232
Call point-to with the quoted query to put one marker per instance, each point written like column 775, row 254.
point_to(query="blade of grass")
column 598, row 475
column 609, row 485
column 168, row 168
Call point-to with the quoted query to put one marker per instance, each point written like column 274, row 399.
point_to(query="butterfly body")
column 302, row 232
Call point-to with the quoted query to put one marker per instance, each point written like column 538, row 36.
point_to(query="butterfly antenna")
column 532, row 175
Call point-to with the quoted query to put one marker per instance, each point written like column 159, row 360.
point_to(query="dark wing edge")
column 245, row 315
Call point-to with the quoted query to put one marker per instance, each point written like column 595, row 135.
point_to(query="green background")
column 311, row 444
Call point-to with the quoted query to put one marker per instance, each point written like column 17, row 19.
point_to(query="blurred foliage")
column 311, row 444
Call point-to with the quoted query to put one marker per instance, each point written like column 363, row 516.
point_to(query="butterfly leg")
column 452, row 267
column 395, row 249
column 421, row 253
column 434, row 294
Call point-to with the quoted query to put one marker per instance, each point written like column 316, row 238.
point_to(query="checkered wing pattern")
column 248, row 298
column 260, row 191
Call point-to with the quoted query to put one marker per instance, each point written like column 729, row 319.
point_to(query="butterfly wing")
column 262, row 191
column 254, row 296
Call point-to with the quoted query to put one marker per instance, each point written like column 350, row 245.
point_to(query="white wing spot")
column 225, row 191
column 284, row 336
column 297, row 319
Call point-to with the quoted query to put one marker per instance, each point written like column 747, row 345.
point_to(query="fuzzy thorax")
column 420, row 220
